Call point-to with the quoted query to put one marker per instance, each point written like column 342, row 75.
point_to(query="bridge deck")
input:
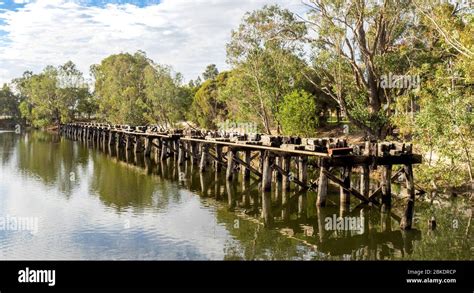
column 279, row 158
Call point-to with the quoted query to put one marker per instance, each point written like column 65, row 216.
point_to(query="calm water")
column 92, row 204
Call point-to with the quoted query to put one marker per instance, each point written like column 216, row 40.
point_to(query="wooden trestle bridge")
column 275, row 157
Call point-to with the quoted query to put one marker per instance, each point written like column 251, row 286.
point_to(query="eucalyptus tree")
column 208, row 108
column 52, row 96
column 73, row 92
column 443, row 123
column 357, row 44
column 42, row 95
column 299, row 114
column 265, row 54
column 120, row 87
column 9, row 102
column 211, row 72
column 166, row 100
column 133, row 89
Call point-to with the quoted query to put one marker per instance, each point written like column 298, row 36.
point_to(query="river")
column 62, row 200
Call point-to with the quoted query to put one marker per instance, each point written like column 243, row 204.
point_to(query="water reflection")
column 176, row 212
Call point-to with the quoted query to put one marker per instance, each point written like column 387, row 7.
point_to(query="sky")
column 185, row 34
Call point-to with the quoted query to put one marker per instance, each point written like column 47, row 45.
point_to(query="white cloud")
column 186, row 34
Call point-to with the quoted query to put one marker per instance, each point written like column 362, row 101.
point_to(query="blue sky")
column 185, row 34
column 10, row 5
column 15, row 4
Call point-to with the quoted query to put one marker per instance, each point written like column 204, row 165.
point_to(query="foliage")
column 211, row 72
column 120, row 87
column 132, row 89
column 52, row 96
column 443, row 122
column 9, row 102
column 74, row 92
column 207, row 108
column 299, row 113
column 357, row 43
column 166, row 102
column 264, row 53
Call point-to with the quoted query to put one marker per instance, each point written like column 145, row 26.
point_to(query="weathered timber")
column 204, row 155
column 322, row 186
column 247, row 160
column 267, row 171
column 386, row 187
column 218, row 158
column 273, row 152
column 181, row 154
column 148, row 144
column 247, row 166
column 378, row 191
column 407, row 219
column 303, row 169
column 230, row 164
column 286, row 164
column 289, row 177
column 164, row 150
column 345, row 187
column 365, row 181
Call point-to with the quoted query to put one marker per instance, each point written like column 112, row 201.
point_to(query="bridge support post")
column 277, row 175
column 118, row 139
column 137, row 148
column 344, row 194
column 176, row 149
column 204, row 155
column 245, row 170
column 303, row 169
column 230, row 164
column 322, row 185
column 218, row 162
column 181, row 153
column 111, row 138
column 97, row 142
column 185, row 150
column 267, row 171
column 386, row 187
column 260, row 160
column 407, row 218
column 127, row 142
column 365, row 181
column 156, row 147
column 148, row 144
column 285, row 165
column 164, row 150
column 104, row 138
column 194, row 152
